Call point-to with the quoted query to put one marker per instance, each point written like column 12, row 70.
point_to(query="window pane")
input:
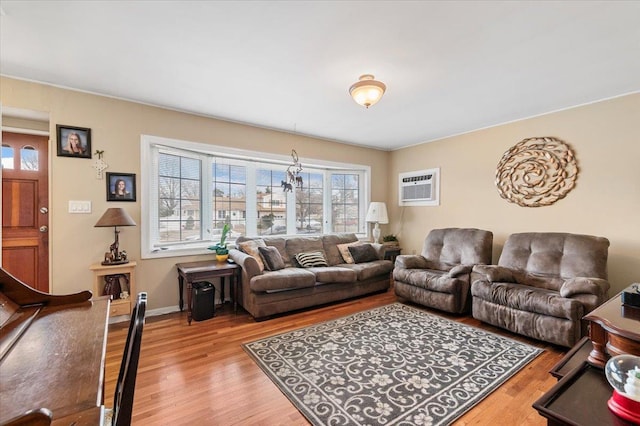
column 271, row 202
column 238, row 174
column 229, row 199
column 29, row 158
column 345, row 206
column 7, row 157
column 309, row 204
column 179, row 198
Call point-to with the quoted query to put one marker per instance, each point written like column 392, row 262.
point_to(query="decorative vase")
column 222, row 257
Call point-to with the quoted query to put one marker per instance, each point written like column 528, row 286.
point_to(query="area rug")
column 393, row 365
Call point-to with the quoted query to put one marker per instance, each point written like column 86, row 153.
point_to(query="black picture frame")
column 113, row 179
column 65, row 147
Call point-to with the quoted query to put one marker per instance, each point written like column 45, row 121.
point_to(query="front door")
column 25, row 208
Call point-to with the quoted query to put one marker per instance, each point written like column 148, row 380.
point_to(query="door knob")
column 44, row 210
column 43, row 228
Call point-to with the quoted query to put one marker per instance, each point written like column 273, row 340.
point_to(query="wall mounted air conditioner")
column 419, row 188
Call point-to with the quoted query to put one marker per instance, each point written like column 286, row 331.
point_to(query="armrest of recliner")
column 248, row 264
column 458, row 270
column 494, row 273
column 584, row 285
column 412, row 261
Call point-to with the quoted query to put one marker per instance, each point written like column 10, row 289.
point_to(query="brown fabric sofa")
column 440, row 276
column 266, row 293
column 543, row 285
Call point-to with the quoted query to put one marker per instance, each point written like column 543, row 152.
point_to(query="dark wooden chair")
column 39, row 417
column 122, row 410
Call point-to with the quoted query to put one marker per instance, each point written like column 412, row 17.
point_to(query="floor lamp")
column 377, row 214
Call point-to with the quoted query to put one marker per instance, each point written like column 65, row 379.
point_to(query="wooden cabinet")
column 118, row 306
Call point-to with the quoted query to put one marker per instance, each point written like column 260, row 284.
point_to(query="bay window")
column 191, row 190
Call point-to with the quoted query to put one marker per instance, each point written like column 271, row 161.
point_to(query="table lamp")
column 115, row 217
column 377, row 214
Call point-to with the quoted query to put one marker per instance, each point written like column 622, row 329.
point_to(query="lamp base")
column 624, row 407
column 376, row 233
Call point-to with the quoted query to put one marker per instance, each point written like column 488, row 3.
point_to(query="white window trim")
column 148, row 171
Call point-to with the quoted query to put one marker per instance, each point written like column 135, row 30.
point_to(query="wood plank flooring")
column 199, row 374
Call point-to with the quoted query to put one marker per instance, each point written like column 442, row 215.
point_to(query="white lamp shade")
column 377, row 213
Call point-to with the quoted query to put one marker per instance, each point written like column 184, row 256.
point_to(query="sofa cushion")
column 363, row 253
column 296, row 245
column 311, row 259
column 370, row 269
column 284, row 279
column 345, row 254
column 271, row 257
column 433, row 280
column 281, row 244
column 457, row 246
column 334, row 274
column 251, row 248
column 556, row 254
column 331, row 249
column 529, row 299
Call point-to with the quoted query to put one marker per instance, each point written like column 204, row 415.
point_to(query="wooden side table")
column 199, row 271
column 613, row 330
column 391, row 252
column 118, row 306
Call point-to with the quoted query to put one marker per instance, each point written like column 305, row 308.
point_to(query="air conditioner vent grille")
column 419, row 188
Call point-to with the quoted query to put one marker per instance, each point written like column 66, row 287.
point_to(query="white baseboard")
column 149, row 313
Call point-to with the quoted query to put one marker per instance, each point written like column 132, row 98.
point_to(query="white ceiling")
column 450, row 66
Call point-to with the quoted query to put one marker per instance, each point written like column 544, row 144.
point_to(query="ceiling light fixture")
column 367, row 91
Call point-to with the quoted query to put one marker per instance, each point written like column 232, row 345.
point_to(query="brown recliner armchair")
column 543, row 285
column 440, row 276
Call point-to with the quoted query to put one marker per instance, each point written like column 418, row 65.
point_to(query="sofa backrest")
column 555, row 254
column 458, row 246
column 289, row 246
column 330, row 243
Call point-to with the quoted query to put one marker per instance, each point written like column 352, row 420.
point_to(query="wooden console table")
column 200, row 271
column 580, row 396
column 614, row 329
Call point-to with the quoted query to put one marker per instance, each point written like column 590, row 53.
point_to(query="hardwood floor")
column 199, row 374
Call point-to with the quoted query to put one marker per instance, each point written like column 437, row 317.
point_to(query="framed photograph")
column 73, row 141
column 121, row 187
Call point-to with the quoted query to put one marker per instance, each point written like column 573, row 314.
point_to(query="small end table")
column 391, row 252
column 199, row 271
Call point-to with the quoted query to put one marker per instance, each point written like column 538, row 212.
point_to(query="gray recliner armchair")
column 440, row 276
column 543, row 285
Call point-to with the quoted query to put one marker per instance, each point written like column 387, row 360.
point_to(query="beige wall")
column 605, row 201
column 116, row 127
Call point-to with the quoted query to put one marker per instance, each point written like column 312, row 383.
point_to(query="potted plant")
column 390, row 240
column 222, row 252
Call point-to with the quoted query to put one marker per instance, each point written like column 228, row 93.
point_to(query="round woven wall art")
column 536, row 172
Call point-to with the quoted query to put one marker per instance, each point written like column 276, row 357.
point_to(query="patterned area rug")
column 393, row 365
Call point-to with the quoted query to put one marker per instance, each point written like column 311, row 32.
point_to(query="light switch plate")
column 82, row 207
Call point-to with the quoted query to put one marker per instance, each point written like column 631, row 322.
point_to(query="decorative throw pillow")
column 311, row 259
column 363, row 253
column 344, row 251
column 251, row 248
column 271, row 257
